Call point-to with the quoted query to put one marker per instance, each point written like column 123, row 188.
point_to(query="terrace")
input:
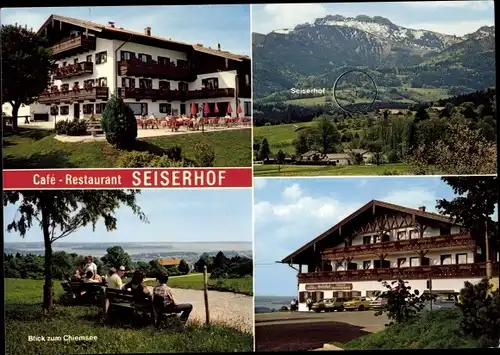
column 153, row 69
column 72, row 46
column 56, row 96
column 174, row 95
column 73, row 70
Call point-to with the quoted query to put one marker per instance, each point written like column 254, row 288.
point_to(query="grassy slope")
column 195, row 282
column 438, row 330
column 23, row 318
column 38, row 149
column 281, row 136
column 303, row 170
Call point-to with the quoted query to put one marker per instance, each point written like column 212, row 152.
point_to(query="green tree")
column 183, row 267
column 264, row 150
column 205, row 259
column 301, row 144
column 119, row 123
column 62, row 265
column 143, row 266
column 281, row 157
column 60, row 213
column 325, row 135
column 421, row 114
column 116, row 257
column 155, row 268
column 26, row 63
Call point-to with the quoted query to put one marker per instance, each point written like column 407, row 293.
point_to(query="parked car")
column 376, row 303
column 357, row 303
column 329, row 305
column 443, row 301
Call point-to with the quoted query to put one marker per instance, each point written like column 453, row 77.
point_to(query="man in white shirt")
column 115, row 278
column 89, row 265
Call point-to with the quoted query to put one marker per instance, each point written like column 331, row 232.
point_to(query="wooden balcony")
column 72, row 46
column 135, row 67
column 406, row 273
column 74, row 70
column 462, row 240
column 174, row 95
column 95, row 93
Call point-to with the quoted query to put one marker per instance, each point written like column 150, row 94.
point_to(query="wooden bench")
column 79, row 292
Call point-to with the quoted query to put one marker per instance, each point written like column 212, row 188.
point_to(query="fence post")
column 205, row 291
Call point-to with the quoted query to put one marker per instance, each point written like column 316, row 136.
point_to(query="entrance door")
column 76, row 111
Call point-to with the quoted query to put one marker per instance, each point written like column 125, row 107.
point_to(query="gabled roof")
column 371, row 204
column 102, row 28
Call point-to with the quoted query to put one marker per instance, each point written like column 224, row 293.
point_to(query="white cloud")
column 259, row 184
column 477, row 5
column 454, row 28
column 292, row 193
column 412, row 198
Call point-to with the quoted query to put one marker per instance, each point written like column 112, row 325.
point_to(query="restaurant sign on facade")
column 335, row 287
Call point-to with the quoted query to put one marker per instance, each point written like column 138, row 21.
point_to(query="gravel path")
column 227, row 308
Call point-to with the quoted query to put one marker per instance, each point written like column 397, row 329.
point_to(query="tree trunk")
column 48, row 286
column 15, row 112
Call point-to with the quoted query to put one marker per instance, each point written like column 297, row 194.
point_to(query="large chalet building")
column 153, row 75
column 383, row 241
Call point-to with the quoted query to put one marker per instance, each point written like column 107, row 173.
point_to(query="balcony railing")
column 74, row 70
column 406, row 273
column 174, row 95
column 135, row 67
column 95, row 93
column 426, row 243
column 74, row 45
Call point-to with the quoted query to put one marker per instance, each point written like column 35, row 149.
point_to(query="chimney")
column 422, row 208
column 218, row 46
column 147, row 31
column 111, row 24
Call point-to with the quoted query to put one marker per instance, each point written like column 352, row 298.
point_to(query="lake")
column 267, row 303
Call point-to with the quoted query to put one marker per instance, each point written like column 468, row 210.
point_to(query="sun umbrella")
column 216, row 108
column 206, row 109
column 193, row 108
column 240, row 110
column 229, row 108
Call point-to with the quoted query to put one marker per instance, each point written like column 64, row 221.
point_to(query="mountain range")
column 315, row 54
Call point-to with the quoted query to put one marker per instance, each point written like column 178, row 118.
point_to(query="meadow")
column 37, row 149
column 348, row 170
column 23, row 318
column 281, row 136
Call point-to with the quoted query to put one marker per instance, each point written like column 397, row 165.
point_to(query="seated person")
column 114, row 278
column 77, row 275
column 136, row 284
column 164, row 299
column 89, row 277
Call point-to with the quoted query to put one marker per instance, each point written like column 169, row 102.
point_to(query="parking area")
column 298, row 331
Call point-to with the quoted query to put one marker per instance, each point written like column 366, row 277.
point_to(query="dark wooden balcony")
column 74, row 70
column 95, row 93
column 405, row 273
column 174, row 95
column 72, row 46
column 210, row 93
column 462, row 240
column 135, row 67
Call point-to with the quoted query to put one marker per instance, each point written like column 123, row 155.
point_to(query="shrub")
column 76, row 127
column 401, row 304
column 145, row 160
column 119, row 123
column 480, row 312
column 174, row 153
column 204, row 154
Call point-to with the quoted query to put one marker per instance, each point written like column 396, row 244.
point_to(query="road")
column 284, row 331
column 226, row 308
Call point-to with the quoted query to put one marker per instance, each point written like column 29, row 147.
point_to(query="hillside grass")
column 349, row 170
column 242, row 285
column 23, row 318
column 281, row 136
column 37, row 149
column 437, row 330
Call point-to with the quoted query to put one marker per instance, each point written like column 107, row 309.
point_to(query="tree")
column 204, row 260
column 62, row 265
column 281, row 157
column 301, row 144
column 116, row 257
column 119, row 123
column 61, row 213
column 155, row 268
column 325, row 135
column 183, row 267
column 264, row 150
column 26, row 63
column 421, row 114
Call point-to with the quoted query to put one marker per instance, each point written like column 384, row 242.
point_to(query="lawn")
column 23, row 319
column 281, row 136
column 437, row 330
column 306, row 170
column 242, row 285
column 38, row 149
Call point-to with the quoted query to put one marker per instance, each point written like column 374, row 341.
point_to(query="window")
column 182, row 63
column 89, row 58
column 210, row 83
column 446, row 259
column 247, row 80
column 75, row 61
column 248, row 108
column 461, row 258
column 414, row 234
column 377, row 238
column 101, row 57
column 366, row 265
column 145, row 58
column 102, row 82
column 183, row 86
column 371, row 294
column 444, row 231
column 182, row 109
column 166, row 108
column 128, row 82
column 164, row 85
column 126, row 55
column 63, row 64
column 88, row 109
column 89, row 82
column 76, row 83
column 401, row 262
column 99, row 108
column 145, row 83
column 54, row 110
column 163, row 60
column 64, row 110
column 139, row 109
column 415, row 261
column 401, row 235
column 64, row 87
column 367, row 239
column 227, row 63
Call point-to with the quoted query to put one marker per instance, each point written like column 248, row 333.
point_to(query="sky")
column 228, row 25
column 222, row 215
column 448, row 17
column 289, row 213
